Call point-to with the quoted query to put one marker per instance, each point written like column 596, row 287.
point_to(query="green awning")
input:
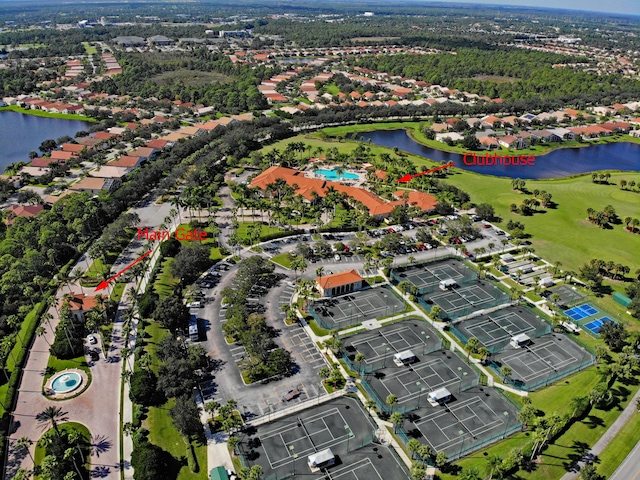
column 218, row 473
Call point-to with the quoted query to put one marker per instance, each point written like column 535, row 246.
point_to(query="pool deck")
column 53, row 395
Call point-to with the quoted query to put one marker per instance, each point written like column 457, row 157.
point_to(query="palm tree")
column 391, row 400
column 471, row 346
column 23, row 444
column 359, row 358
column 396, row 418
column 505, row 371
column 233, row 443
column 493, row 464
column 51, row 416
column 42, row 332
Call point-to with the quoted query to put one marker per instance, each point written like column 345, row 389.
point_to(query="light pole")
column 386, row 305
column 294, row 455
column 385, row 355
column 421, row 389
column 349, row 434
column 386, row 351
column 426, row 339
column 506, row 417
column 351, row 313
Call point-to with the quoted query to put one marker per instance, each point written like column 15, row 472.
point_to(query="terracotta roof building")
column 14, row 211
column 339, row 283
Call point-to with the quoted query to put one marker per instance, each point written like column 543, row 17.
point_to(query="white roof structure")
column 507, row 257
column 406, row 355
column 321, row 457
column 447, row 282
column 520, row 339
column 439, row 394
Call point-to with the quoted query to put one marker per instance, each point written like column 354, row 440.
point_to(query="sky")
column 630, row 7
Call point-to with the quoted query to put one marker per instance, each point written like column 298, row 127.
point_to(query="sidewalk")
column 608, row 436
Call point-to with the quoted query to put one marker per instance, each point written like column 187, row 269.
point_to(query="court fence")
column 469, row 309
column 540, row 330
column 356, row 318
column 468, row 275
column 582, row 324
column 587, row 360
column 475, row 444
column 352, row 445
column 457, row 387
column 380, row 364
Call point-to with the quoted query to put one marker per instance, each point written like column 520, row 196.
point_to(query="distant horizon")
column 616, row 7
column 611, row 6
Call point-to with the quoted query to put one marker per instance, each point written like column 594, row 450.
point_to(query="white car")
column 92, row 340
column 194, row 305
column 336, row 257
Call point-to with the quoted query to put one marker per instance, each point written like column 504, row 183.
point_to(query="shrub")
column 148, row 461
column 144, row 388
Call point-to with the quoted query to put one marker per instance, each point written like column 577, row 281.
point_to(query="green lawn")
column 216, row 254
column 613, row 455
column 26, row 326
column 90, row 49
column 551, row 400
column 564, row 234
column 116, row 293
column 97, row 269
column 283, row 259
column 58, row 365
column 84, row 431
column 243, row 229
column 165, row 283
column 40, row 113
column 163, row 433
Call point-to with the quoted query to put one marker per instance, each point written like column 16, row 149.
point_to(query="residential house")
column 563, row 133
column 14, row 211
column 545, row 136
column 94, row 185
column 74, row 148
column 489, row 143
column 617, row 127
column 510, row 141
column 145, row 153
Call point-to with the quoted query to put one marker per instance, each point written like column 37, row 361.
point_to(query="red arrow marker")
column 408, row 177
column 105, row 283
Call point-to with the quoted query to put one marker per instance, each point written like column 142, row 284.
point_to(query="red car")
column 486, row 225
column 391, row 230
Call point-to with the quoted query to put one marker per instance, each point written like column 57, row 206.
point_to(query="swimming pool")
column 333, row 174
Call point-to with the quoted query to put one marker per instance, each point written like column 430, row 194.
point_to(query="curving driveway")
column 98, row 407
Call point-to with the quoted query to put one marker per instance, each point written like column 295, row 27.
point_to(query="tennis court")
column 462, row 301
column 543, row 361
column 411, row 384
column 410, row 334
column 427, row 277
column 356, row 307
column 581, row 312
column 283, row 446
column 424, row 377
column 494, row 330
column 594, row 325
column 473, row 420
column 568, row 295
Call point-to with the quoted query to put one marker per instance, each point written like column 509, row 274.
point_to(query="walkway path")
column 98, row 406
column 606, row 438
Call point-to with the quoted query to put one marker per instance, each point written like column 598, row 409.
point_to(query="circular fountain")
column 66, row 382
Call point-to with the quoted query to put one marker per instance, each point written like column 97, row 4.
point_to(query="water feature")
column 23, row 133
column 66, row 382
column 558, row 163
column 333, row 174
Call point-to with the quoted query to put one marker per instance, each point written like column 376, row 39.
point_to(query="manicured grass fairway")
column 564, row 234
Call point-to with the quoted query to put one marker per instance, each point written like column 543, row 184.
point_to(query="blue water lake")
column 559, row 163
column 21, row 133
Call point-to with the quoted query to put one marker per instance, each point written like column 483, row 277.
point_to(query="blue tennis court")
column 595, row 325
column 581, row 311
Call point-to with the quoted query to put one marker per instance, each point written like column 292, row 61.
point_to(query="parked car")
column 336, row 257
column 92, row 339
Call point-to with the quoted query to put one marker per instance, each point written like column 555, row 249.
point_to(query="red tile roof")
column 339, row 279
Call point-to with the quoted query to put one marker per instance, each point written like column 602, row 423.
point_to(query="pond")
column 559, row 163
column 22, row 133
